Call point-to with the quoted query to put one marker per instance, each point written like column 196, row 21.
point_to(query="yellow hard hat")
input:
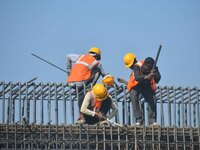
column 95, row 50
column 100, row 92
column 108, row 80
column 129, row 59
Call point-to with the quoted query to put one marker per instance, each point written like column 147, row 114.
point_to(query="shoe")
column 81, row 121
column 137, row 123
column 154, row 124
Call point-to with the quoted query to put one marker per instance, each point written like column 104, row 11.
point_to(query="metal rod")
column 49, row 62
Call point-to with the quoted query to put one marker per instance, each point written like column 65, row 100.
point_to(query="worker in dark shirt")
column 142, row 81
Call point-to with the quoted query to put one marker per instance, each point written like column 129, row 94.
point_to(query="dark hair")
column 149, row 60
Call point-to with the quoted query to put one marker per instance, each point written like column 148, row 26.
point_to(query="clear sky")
column 52, row 29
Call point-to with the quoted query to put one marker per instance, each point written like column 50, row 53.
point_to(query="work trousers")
column 149, row 96
column 105, row 107
column 80, row 85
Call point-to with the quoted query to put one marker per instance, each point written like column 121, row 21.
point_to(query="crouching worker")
column 96, row 105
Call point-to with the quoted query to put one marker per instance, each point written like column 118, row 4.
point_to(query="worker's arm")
column 70, row 60
column 102, row 71
column 114, row 110
column 157, row 76
column 138, row 76
column 85, row 105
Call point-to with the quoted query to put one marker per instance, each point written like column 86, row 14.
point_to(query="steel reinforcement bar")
column 56, row 103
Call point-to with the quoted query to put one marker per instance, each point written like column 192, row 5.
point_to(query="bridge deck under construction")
column 97, row 137
column 42, row 116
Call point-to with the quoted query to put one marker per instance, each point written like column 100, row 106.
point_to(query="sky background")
column 52, row 29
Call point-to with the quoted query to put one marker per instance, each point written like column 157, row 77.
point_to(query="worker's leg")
column 149, row 96
column 134, row 96
column 94, row 77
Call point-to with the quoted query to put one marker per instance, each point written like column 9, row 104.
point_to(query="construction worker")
column 142, row 81
column 95, row 106
column 84, row 70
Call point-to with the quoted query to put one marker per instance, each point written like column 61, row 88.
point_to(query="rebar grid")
column 13, row 136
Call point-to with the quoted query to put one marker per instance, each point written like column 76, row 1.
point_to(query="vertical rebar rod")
column 184, row 141
column 182, row 107
column 119, row 139
column 56, row 104
column 174, row 98
column 124, row 106
column 13, row 107
column 34, row 105
column 111, row 137
column 104, row 137
column 116, row 102
column 152, row 137
column 20, row 103
column 144, row 137
column 3, row 102
column 72, row 105
column 41, row 105
column 179, row 114
column 64, row 105
column 194, row 115
column 49, row 102
column 169, row 107
column 168, row 148
column 27, row 104
column 190, row 112
column 198, row 111
column 161, row 107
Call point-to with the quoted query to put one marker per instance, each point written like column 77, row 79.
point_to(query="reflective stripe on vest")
column 89, row 66
column 81, row 70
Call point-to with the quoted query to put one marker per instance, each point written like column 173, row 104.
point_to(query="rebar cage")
column 42, row 116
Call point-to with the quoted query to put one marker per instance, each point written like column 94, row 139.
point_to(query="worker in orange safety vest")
column 142, row 81
column 95, row 106
column 84, row 70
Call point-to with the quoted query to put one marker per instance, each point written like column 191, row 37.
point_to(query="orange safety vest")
column 82, row 68
column 95, row 104
column 132, row 82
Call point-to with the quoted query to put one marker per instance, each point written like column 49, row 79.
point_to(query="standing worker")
column 142, row 80
column 95, row 106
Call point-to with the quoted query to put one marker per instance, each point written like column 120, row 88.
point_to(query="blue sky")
column 52, row 29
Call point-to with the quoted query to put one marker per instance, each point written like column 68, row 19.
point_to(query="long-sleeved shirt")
column 87, row 102
column 140, row 76
column 72, row 58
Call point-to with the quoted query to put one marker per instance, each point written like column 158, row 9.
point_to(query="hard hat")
column 129, row 59
column 108, row 80
column 95, row 50
column 100, row 92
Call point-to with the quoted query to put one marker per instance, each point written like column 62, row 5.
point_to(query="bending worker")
column 96, row 105
column 142, row 80
column 84, row 69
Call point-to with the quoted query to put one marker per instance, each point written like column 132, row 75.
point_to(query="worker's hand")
column 120, row 80
column 149, row 76
column 153, row 71
column 99, row 116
